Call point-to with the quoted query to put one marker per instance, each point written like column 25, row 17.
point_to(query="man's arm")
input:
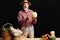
column 20, row 17
column 34, row 21
column 34, row 16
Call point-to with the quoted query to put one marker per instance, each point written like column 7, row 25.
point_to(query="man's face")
column 25, row 6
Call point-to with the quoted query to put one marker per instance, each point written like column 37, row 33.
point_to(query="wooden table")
column 34, row 39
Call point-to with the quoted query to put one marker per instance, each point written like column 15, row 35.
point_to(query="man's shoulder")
column 20, row 11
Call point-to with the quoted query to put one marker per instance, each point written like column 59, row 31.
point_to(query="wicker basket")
column 6, row 35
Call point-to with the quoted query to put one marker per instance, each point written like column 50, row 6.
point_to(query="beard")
column 25, row 9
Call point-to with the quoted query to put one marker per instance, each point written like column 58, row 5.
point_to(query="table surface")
column 34, row 39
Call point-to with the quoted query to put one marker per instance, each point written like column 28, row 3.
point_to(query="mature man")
column 26, row 20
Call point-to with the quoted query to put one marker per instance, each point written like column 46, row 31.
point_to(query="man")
column 26, row 20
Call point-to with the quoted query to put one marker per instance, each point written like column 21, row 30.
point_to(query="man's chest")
column 25, row 15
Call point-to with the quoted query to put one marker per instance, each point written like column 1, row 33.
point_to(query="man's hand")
column 28, row 19
column 23, row 28
column 34, row 21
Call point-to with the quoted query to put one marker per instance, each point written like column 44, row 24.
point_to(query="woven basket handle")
column 7, row 24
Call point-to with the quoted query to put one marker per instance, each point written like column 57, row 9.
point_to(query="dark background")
column 48, row 19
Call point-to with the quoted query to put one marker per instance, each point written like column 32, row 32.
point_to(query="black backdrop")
column 46, row 9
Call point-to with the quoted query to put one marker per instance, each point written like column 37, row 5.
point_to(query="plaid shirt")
column 25, row 19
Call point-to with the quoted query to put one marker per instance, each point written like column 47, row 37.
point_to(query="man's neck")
column 26, row 10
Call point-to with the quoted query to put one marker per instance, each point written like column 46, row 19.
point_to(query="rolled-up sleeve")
column 19, row 17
